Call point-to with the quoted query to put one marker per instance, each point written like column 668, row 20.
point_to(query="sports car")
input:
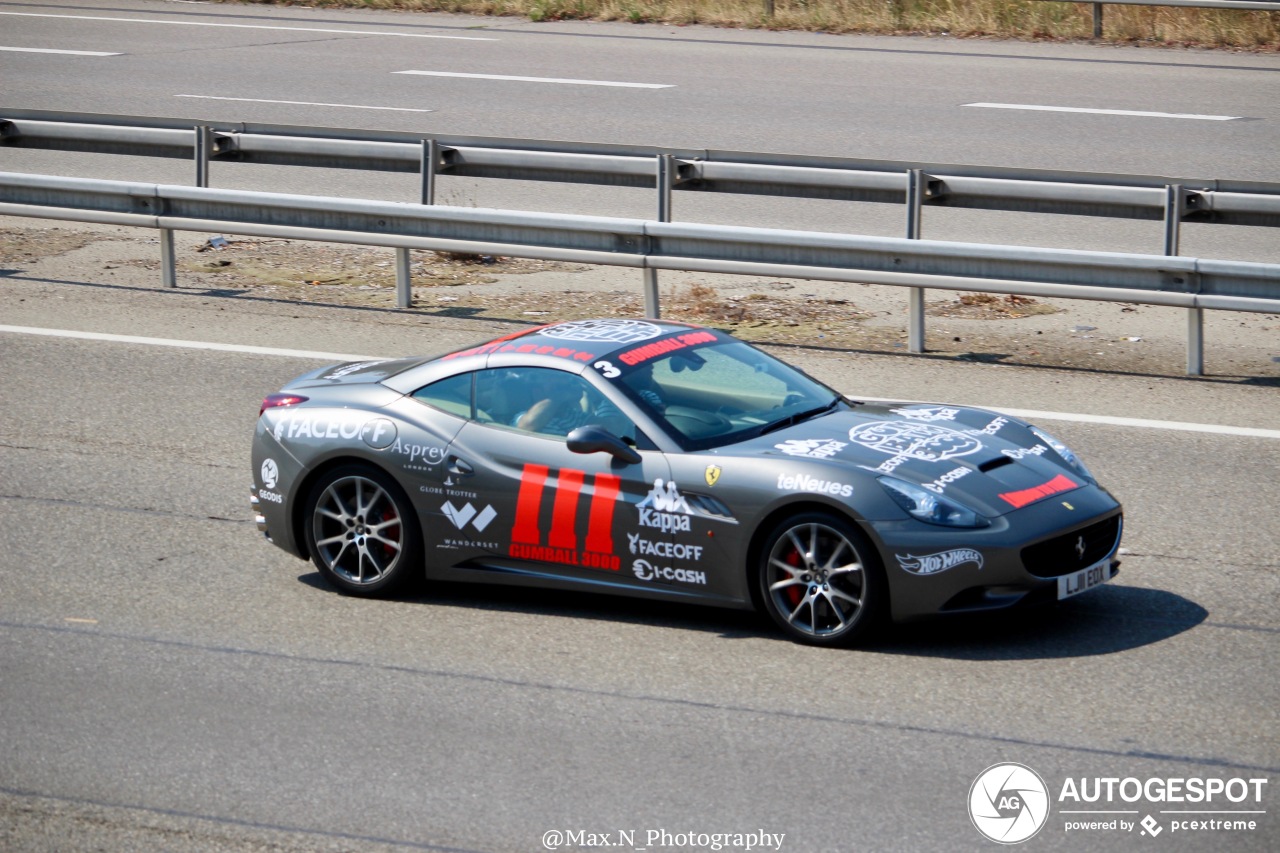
column 673, row 462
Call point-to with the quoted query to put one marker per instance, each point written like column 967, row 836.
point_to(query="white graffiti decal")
column 270, row 473
column 932, row 564
column 923, row 441
column 815, row 448
column 928, row 413
column 1024, row 452
column 603, row 331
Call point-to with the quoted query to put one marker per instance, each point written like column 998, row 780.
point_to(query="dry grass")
column 1025, row 19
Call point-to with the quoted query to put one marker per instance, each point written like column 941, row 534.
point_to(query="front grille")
column 1061, row 555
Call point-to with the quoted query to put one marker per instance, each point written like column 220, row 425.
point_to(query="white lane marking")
column 1109, row 420
column 204, row 345
column 64, row 52
column 1144, row 423
column 518, row 79
column 305, row 103
column 246, row 26
column 1139, row 113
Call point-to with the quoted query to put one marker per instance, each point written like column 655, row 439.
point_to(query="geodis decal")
column 561, row 544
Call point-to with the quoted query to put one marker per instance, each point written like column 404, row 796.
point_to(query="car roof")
column 572, row 345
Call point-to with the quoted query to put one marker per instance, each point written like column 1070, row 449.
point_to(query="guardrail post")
column 1175, row 207
column 427, row 168
column 168, row 262
column 915, row 297
column 204, row 145
column 1097, row 20
column 652, row 309
column 404, row 284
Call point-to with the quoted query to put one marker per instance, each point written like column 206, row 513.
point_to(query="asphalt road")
column 170, row 681
column 1180, row 114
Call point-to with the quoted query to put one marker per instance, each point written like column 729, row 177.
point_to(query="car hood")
column 990, row 462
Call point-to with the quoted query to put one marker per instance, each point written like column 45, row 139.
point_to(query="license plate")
column 1084, row 580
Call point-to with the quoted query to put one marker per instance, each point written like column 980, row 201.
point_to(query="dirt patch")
column 21, row 246
column 988, row 306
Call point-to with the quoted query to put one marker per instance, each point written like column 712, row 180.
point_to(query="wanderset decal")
column 1058, row 485
column 562, row 545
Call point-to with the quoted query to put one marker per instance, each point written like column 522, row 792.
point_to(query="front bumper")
column 1018, row 560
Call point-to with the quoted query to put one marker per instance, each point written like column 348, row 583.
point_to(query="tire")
column 820, row 581
column 362, row 532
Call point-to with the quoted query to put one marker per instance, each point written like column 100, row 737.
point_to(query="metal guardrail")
column 688, row 170
column 1190, row 283
column 1238, row 5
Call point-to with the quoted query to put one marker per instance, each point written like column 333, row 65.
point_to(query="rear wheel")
column 361, row 531
column 820, row 581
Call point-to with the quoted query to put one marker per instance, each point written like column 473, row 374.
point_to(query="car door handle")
column 460, row 467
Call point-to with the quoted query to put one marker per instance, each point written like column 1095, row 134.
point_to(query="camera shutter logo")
column 1008, row 803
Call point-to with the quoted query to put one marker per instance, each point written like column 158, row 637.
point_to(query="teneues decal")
column 805, row 483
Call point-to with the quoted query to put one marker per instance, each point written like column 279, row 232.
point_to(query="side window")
column 545, row 401
column 452, row 395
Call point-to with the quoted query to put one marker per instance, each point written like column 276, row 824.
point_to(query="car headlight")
column 927, row 506
column 1065, row 452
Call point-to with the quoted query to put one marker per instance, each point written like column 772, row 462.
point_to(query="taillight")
column 275, row 401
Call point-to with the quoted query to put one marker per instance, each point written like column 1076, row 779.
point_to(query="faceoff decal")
column 562, row 546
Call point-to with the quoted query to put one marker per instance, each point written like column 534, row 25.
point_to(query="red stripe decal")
column 600, row 525
column 1057, row 485
column 565, row 512
column 532, row 481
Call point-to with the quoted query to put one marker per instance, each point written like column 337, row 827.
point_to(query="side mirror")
column 597, row 439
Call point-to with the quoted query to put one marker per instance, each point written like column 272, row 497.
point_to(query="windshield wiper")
column 792, row 420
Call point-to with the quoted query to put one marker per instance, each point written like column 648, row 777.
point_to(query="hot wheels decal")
column 932, row 564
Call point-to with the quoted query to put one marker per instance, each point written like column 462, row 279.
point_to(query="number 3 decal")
column 607, row 369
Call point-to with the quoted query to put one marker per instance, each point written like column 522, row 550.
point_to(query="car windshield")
column 723, row 392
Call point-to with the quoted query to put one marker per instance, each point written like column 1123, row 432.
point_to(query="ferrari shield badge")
column 713, row 474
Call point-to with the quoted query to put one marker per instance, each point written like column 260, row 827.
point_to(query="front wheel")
column 361, row 531
column 820, row 581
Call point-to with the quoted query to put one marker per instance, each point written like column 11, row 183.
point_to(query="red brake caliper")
column 795, row 592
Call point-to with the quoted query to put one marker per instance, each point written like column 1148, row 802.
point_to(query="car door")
column 528, row 505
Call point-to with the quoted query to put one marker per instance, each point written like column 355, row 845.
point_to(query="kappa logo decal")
column 596, row 551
